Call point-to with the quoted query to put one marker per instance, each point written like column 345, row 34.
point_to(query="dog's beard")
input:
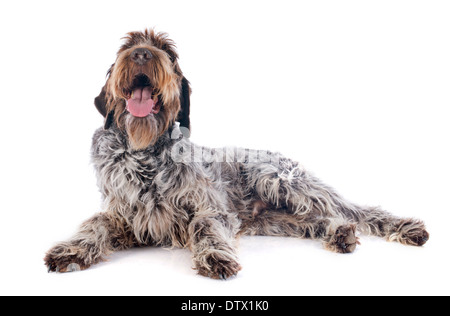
column 144, row 131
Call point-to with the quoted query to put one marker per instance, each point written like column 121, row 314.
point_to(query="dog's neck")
column 173, row 134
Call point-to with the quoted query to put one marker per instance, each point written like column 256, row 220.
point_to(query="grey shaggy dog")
column 160, row 189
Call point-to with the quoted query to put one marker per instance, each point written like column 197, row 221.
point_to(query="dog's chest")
column 145, row 189
column 137, row 177
column 128, row 176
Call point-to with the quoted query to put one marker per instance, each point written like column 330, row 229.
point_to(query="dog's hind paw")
column 410, row 232
column 344, row 239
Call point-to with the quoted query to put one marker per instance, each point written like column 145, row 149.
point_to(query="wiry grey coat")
column 178, row 194
column 160, row 189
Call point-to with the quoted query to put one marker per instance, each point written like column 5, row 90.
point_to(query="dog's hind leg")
column 377, row 222
column 284, row 184
column 97, row 237
column 337, row 234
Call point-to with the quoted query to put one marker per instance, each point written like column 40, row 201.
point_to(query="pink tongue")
column 141, row 104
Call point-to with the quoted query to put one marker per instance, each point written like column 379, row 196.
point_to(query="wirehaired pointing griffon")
column 159, row 189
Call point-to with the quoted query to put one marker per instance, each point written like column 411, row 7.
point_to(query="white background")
column 357, row 91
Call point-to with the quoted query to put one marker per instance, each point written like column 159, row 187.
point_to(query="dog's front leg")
column 212, row 241
column 97, row 237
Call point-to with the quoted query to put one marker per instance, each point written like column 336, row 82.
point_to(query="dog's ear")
column 183, row 115
column 101, row 105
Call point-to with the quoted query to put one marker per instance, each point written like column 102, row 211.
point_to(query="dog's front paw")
column 64, row 258
column 217, row 266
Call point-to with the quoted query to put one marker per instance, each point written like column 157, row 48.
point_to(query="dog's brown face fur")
column 145, row 91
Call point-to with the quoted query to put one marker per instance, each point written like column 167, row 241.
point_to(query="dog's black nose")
column 141, row 56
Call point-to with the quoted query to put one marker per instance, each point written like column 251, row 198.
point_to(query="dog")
column 160, row 189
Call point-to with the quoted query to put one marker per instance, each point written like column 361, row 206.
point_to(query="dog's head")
column 145, row 92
